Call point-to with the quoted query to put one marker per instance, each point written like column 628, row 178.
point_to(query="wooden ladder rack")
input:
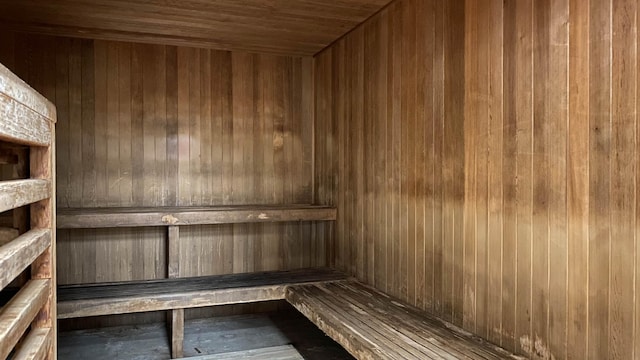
column 27, row 321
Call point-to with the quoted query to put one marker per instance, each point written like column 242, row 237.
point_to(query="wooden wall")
column 152, row 125
column 483, row 155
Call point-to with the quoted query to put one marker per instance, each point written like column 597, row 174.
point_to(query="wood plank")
column 578, row 181
column 15, row 88
column 16, row 316
column 600, row 156
column 166, row 294
column 132, row 217
column 288, row 27
column 177, row 333
column 283, row 352
column 372, row 325
column 17, row 193
column 36, row 345
column 18, row 254
column 21, row 124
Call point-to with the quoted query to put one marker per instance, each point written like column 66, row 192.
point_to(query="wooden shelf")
column 78, row 218
column 180, row 293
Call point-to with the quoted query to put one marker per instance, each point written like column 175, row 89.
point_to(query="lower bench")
column 372, row 325
column 366, row 322
column 181, row 293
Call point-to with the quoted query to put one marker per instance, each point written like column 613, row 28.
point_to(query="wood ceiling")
column 294, row 27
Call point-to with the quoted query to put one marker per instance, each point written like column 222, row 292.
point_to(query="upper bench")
column 84, row 218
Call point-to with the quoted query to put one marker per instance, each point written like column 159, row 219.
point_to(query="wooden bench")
column 176, row 294
column 372, row 325
column 180, row 293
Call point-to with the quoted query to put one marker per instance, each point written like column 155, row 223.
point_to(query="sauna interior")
column 320, row 179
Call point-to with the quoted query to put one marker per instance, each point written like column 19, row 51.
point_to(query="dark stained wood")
column 284, row 27
column 373, row 325
column 164, row 294
column 135, row 217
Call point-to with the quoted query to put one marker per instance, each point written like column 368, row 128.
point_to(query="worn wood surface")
column 16, row 88
column 16, row 193
column 17, row 315
column 18, row 254
column 284, row 27
column 218, row 335
column 146, row 217
column 283, row 352
column 191, row 292
column 373, row 325
column 533, row 242
column 36, row 346
column 177, row 333
column 216, row 128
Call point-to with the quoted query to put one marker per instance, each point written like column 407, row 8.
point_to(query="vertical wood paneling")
column 153, row 125
column 578, row 180
column 527, row 121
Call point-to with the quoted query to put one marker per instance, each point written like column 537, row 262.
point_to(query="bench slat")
column 165, row 294
column 372, row 325
column 139, row 217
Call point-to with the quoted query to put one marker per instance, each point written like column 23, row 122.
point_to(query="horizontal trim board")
column 139, row 217
column 17, row 193
column 18, row 254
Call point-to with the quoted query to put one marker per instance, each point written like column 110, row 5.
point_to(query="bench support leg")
column 176, row 328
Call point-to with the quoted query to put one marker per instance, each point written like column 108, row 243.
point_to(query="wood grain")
column 372, row 325
column 36, row 345
column 137, row 217
column 548, row 146
column 16, row 316
column 191, row 292
column 17, row 193
column 109, row 94
column 18, row 254
column 286, row 27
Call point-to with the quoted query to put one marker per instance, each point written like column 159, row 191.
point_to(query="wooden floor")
column 224, row 335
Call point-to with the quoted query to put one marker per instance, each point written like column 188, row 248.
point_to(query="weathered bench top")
column 372, row 325
column 180, row 293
